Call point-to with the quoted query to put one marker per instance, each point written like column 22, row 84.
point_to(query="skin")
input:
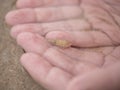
column 87, row 24
column 90, row 23
column 71, row 68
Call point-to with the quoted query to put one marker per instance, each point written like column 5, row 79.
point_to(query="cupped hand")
column 71, row 68
column 83, row 23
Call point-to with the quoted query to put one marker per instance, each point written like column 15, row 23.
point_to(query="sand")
column 12, row 75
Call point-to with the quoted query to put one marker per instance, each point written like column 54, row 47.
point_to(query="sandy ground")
column 12, row 74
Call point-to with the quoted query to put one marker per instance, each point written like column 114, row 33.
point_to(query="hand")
column 77, row 66
column 83, row 23
column 71, row 68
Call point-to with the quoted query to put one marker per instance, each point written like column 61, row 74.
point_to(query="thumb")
column 102, row 79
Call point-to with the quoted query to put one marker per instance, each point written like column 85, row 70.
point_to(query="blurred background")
column 12, row 74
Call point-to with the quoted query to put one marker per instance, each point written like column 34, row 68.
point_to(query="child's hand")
column 83, row 23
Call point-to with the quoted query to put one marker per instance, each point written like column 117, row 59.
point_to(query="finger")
column 43, row 29
column 33, row 42
column 42, row 14
column 69, row 64
column 38, row 3
column 61, row 60
column 102, row 79
column 44, row 73
column 37, row 44
column 81, row 38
